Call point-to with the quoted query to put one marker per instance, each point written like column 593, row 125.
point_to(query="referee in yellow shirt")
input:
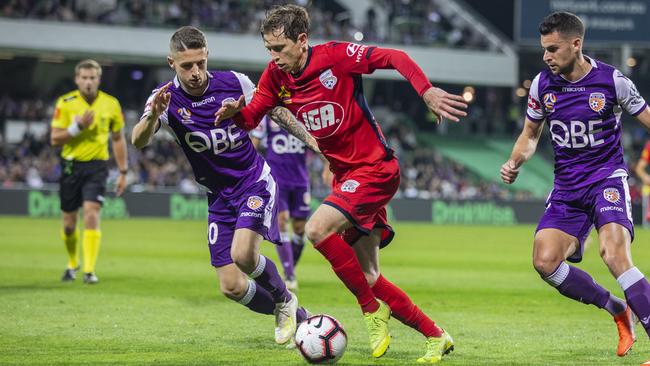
column 82, row 122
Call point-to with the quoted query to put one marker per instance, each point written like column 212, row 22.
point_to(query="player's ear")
column 302, row 40
column 170, row 62
column 577, row 43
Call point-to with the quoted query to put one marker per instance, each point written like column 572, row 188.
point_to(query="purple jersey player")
column 242, row 193
column 285, row 154
column 581, row 99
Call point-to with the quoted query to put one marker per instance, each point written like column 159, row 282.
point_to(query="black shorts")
column 82, row 181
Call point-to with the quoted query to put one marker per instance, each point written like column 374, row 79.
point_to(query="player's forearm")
column 143, row 132
column 404, row 64
column 524, row 149
column 288, row 121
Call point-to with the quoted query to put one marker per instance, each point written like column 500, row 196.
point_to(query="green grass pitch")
column 158, row 301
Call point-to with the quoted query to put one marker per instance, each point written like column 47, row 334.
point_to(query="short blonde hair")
column 88, row 64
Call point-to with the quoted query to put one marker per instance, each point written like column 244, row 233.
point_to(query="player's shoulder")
column 601, row 66
column 227, row 80
column 541, row 80
column 335, row 49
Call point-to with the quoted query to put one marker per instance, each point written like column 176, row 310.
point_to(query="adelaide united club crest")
column 328, row 79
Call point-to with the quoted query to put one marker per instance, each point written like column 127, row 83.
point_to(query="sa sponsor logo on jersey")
column 185, row 115
column 612, row 195
column 350, row 185
column 321, row 118
column 549, row 102
column 254, row 202
column 597, row 102
column 328, row 79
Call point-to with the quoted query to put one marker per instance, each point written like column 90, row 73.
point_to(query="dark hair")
column 187, row 38
column 292, row 19
column 564, row 23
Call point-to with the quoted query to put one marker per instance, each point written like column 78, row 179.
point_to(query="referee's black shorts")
column 82, row 181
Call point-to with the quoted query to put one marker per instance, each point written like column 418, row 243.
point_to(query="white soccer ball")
column 321, row 339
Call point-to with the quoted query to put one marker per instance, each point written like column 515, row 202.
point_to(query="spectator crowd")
column 31, row 162
column 417, row 22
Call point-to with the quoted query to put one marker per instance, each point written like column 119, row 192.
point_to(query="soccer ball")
column 321, row 339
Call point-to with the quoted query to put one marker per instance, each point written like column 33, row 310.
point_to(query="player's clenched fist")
column 509, row 172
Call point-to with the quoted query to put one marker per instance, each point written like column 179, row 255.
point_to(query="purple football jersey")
column 285, row 154
column 585, row 122
column 222, row 157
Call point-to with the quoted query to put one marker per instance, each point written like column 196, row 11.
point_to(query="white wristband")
column 74, row 129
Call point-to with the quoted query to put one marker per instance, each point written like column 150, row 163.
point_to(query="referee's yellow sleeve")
column 118, row 118
column 61, row 117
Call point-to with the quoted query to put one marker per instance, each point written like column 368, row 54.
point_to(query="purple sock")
column 578, row 285
column 297, row 245
column 267, row 276
column 615, row 305
column 257, row 299
column 285, row 253
column 301, row 315
column 637, row 294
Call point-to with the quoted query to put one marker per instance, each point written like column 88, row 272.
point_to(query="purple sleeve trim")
column 534, row 119
column 645, row 105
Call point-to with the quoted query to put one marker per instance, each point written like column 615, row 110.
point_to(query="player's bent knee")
column 233, row 290
column 315, row 231
column 545, row 265
column 244, row 263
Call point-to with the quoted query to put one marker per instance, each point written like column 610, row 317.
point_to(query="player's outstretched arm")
column 444, row 105
column 143, row 131
column 441, row 103
column 522, row 151
column 288, row 121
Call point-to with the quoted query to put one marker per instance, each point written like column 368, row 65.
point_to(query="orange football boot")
column 626, row 336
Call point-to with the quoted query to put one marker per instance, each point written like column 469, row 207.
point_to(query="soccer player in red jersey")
column 321, row 86
column 642, row 173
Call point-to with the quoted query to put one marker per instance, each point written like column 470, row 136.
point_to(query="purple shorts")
column 576, row 211
column 296, row 200
column 255, row 209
